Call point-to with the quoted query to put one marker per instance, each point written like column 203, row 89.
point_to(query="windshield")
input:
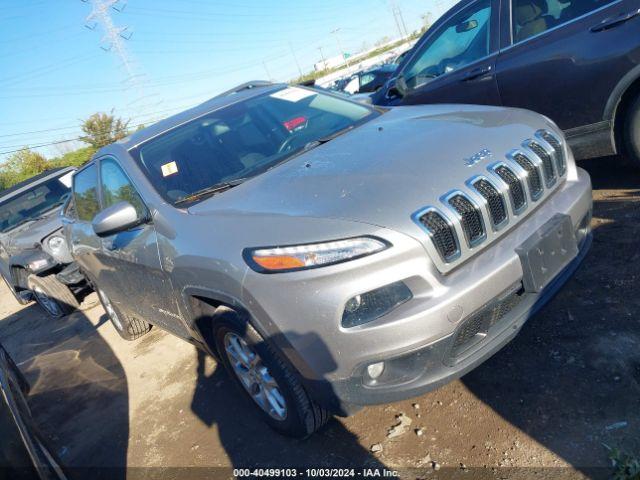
column 244, row 139
column 34, row 202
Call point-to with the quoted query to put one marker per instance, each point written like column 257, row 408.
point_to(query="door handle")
column 614, row 21
column 477, row 73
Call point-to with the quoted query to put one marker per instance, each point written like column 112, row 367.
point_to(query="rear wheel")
column 632, row 132
column 267, row 380
column 129, row 328
column 55, row 298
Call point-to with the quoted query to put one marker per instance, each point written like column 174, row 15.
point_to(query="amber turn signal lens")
column 279, row 263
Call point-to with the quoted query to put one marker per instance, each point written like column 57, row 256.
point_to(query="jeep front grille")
column 547, row 163
column 473, row 215
column 443, row 235
column 534, row 177
column 471, row 218
column 516, row 189
column 495, row 201
column 561, row 162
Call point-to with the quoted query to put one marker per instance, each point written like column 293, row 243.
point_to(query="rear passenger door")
column 564, row 58
column 455, row 60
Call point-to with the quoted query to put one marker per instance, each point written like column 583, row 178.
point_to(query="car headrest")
column 529, row 10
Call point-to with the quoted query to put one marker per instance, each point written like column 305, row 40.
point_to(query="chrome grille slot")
column 516, row 189
column 470, row 217
column 478, row 212
column 561, row 162
column 547, row 163
column 495, row 201
column 534, row 176
column 442, row 234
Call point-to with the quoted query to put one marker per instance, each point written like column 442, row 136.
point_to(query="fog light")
column 375, row 370
column 369, row 306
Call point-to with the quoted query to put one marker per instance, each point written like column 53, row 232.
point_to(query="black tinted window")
column 85, row 192
column 532, row 17
column 116, row 186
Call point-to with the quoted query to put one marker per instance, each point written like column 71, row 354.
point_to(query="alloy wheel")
column 255, row 376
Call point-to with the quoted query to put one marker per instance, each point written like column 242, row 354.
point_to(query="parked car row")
column 333, row 254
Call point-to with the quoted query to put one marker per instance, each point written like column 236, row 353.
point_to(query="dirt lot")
column 569, row 383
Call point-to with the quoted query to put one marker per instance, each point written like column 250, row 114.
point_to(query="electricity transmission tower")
column 399, row 19
column 114, row 40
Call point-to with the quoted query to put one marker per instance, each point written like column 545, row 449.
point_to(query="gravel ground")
column 565, row 387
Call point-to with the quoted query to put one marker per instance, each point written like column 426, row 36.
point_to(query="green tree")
column 103, row 128
column 22, row 165
column 73, row 159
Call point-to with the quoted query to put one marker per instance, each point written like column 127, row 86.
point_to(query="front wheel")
column 129, row 328
column 632, row 132
column 55, row 298
column 267, row 380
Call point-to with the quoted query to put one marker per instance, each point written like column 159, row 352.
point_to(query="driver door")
column 455, row 63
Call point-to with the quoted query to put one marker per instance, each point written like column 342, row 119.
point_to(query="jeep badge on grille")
column 478, row 157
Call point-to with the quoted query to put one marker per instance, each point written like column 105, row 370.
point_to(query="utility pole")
column 324, row 62
column 295, row 58
column 264, row 64
column 395, row 18
column 404, row 25
column 399, row 19
column 342, row 52
column 114, row 40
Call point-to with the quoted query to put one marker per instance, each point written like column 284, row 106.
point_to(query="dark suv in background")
column 575, row 61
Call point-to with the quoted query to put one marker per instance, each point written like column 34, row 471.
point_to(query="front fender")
column 33, row 261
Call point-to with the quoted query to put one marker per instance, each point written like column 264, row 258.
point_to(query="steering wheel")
column 287, row 144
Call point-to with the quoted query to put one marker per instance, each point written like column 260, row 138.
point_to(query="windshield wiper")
column 321, row 141
column 209, row 191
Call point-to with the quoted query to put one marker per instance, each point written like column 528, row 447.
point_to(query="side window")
column 532, row 17
column 85, row 193
column 462, row 40
column 366, row 79
column 116, row 187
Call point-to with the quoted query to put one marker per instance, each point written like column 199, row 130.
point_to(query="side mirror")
column 116, row 218
column 466, row 26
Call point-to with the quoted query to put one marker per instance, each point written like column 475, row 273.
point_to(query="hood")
column 31, row 234
column 385, row 170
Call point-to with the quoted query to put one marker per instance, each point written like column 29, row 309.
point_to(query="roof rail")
column 245, row 86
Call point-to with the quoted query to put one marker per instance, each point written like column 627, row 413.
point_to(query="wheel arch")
column 617, row 106
column 206, row 307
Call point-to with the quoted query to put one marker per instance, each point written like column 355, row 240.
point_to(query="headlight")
column 56, row 244
column 300, row 257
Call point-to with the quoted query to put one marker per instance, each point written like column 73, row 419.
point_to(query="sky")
column 54, row 71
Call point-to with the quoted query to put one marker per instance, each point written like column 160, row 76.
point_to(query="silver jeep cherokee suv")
column 331, row 254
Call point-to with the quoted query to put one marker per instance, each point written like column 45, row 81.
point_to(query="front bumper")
column 416, row 339
column 428, row 368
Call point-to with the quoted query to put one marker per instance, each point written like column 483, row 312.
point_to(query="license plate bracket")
column 547, row 252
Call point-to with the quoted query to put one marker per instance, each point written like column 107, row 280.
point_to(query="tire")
column 55, row 298
column 302, row 416
column 632, row 132
column 129, row 328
